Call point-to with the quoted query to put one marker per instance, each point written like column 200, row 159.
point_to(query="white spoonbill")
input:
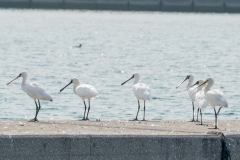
column 141, row 91
column 84, row 91
column 200, row 97
column 35, row 91
column 191, row 91
column 215, row 97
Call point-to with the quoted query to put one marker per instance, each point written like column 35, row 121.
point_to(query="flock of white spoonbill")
column 202, row 94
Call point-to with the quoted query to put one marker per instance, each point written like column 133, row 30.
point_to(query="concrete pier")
column 80, row 4
column 112, row 4
column 15, row 3
column 232, row 6
column 135, row 140
column 144, row 5
column 220, row 6
column 177, row 5
column 55, row 4
column 208, row 5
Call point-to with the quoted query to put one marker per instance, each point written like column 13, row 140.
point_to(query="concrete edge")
column 110, row 146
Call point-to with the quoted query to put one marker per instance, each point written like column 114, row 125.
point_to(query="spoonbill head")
column 188, row 77
column 84, row 91
column 140, row 90
column 215, row 97
column 136, row 78
column 191, row 91
column 23, row 74
column 35, row 91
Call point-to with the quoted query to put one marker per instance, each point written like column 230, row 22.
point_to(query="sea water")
column 162, row 47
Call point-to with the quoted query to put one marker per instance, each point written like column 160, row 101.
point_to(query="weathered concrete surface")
column 15, row 3
column 57, row 4
column 145, row 5
column 163, row 127
column 232, row 6
column 208, row 5
column 81, row 4
column 111, row 147
column 135, row 140
column 112, row 4
column 177, row 5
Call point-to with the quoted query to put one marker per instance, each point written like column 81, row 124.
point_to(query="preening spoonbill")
column 215, row 97
column 191, row 91
column 35, row 91
column 200, row 97
column 141, row 91
column 84, row 91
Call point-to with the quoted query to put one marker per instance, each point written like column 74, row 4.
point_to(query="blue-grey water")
column 162, row 47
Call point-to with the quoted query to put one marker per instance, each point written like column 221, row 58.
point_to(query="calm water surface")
column 162, row 47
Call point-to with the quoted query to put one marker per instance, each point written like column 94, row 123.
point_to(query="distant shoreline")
column 220, row 6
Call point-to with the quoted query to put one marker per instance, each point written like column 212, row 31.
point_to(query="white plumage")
column 200, row 97
column 215, row 97
column 191, row 91
column 35, row 91
column 84, row 91
column 140, row 90
column 201, row 100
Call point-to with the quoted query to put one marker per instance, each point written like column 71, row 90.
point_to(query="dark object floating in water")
column 80, row 45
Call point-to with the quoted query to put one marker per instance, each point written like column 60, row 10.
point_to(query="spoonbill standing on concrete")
column 35, row 91
column 200, row 97
column 191, row 92
column 141, row 91
column 84, row 91
column 215, row 97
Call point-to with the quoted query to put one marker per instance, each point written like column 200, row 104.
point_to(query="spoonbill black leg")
column 216, row 114
column 201, row 116
column 88, row 109
column 197, row 115
column 144, row 112
column 137, row 111
column 35, row 119
column 39, row 107
column 193, row 112
column 84, row 110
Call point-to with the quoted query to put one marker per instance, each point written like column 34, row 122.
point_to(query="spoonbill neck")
column 207, row 88
column 210, row 83
column 190, row 81
column 136, row 80
column 24, row 80
column 75, row 85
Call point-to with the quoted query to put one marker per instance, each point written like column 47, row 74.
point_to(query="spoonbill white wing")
column 86, row 91
column 201, row 100
column 142, row 91
column 216, row 98
column 36, row 91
